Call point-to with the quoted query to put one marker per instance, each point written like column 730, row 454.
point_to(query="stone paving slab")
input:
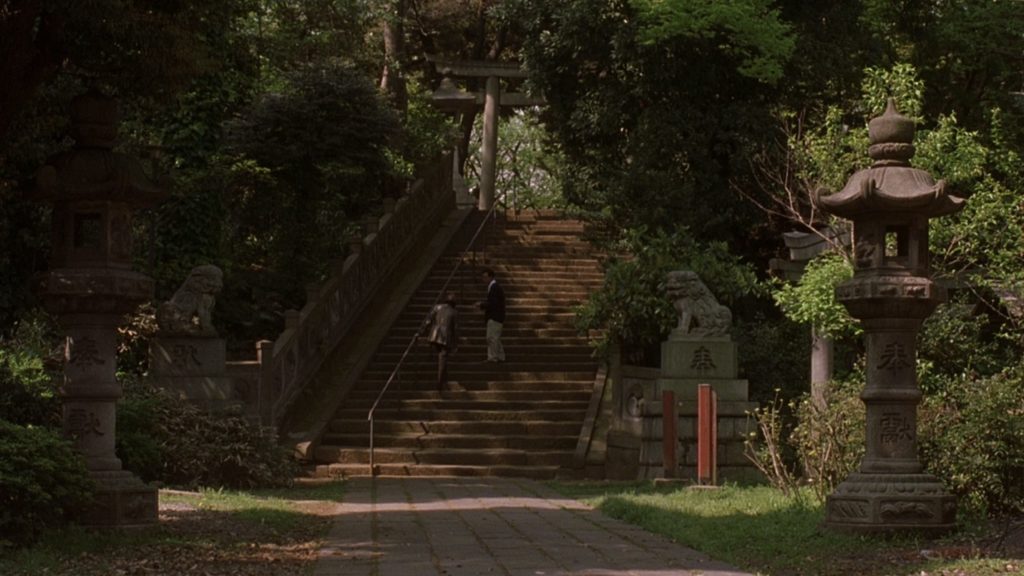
column 484, row 526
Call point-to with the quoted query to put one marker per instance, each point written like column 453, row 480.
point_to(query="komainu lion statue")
column 699, row 313
column 188, row 311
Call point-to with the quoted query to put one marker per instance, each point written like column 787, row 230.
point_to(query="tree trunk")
column 392, row 79
column 31, row 48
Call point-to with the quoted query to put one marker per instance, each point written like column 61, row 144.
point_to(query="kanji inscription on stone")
column 82, row 423
column 894, row 357
column 702, row 359
column 83, row 351
column 185, row 356
column 895, row 427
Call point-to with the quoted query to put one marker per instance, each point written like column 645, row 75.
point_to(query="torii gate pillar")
column 449, row 98
column 489, row 151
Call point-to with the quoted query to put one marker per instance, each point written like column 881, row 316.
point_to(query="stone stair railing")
column 288, row 364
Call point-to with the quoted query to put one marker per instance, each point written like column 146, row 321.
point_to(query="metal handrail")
column 491, row 213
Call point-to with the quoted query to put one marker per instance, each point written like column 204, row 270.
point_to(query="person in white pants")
column 494, row 315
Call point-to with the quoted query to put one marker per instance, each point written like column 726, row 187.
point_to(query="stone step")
column 514, row 428
column 532, row 320
column 471, row 349
column 357, row 470
column 337, row 442
column 463, row 415
column 512, row 330
column 550, row 315
column 517, row 300
column 485, row 373
column 581, row 394
column 444, row 456
column 413, row 405
column 424, row 381
column 536, row 263
column 473, row 337
column 517, row 418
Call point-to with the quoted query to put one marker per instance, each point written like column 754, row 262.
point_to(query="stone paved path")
column 483, row 526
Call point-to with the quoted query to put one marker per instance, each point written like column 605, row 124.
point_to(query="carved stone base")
column 881, row 503
column 121, row 501
column 701, row 359
column 187, row 356
column 194, row 369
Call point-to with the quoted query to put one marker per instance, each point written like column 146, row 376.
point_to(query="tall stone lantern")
column 891, row 294
column 89, row 288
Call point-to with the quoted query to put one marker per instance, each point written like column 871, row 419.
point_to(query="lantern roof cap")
column 891, row 184
column 92, row 171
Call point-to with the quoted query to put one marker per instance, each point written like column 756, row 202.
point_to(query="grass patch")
column 206, row 532
column 759, row 529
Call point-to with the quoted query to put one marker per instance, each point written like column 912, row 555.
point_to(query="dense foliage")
column 631, row 307
column 163, row 439
column 43, row 482
column 972, row 436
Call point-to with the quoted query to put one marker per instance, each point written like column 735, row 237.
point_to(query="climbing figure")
column 494, row 316
column 440, row 329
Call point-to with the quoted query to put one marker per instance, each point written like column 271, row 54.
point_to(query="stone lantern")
column 89, row 288
column 891, row 294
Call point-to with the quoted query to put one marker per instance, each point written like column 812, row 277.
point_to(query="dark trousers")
column 442, row 365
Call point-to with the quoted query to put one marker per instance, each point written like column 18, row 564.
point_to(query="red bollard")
column 668, row 433
column 707, row 435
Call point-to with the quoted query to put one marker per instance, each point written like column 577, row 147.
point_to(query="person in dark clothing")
column 494, row 316
column 440, row 329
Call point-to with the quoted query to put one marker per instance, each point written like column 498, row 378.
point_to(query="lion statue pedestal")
column 187, row 357
column 699, row 351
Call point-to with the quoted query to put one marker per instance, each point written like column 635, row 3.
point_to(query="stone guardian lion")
column 700, row 314
column 189, row 311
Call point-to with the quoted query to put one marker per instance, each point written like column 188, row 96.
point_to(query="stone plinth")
column 685, row 357
column 194, row 369
column 879, row 503
column 122, row 500
column 698, row 351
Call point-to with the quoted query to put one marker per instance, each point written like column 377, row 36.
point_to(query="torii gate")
column 449, row 97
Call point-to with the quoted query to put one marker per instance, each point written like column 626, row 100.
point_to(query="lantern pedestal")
column 891, row 294
column 90, row 289
column 879, row 503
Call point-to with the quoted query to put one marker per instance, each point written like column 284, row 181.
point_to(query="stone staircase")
column 519, row 418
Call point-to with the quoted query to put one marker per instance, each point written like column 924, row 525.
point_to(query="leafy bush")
column 43, row 481
column 829, row 440
column 167, row 440
column 801, row 443
column 28, row 375
column 972, row 437
column 631, row 308
column 773, row 356
column 812, row 300
column 768, row 450
column 956, row 344
column 133, row 340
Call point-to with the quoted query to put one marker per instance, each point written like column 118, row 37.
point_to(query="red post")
column 668, row 433
column 707, row 435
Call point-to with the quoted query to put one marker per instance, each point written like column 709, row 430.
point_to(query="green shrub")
column 800, row 443
column 164, row 439
column 956, row 344
column 972, row 437
column 630, row 308
column 829, row 440
column 774, row 356
column 28, row 374
column 43, row 481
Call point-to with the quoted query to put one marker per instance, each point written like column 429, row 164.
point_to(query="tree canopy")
column 675, row 118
